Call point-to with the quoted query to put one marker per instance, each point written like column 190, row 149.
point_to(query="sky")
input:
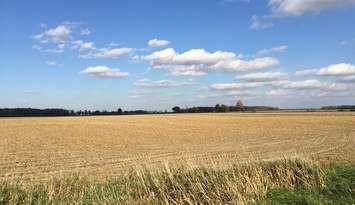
column 153, row 55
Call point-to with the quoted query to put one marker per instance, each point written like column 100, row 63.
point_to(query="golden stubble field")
column 40, row 148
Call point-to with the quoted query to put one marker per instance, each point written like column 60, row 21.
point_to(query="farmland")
column 42, row 148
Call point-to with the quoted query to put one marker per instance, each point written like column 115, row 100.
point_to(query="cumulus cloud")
column 337, row 69
column 187, row 70
column 37, row 47
column 277, row 92
column 235, row 86
column 85, row 32
column 199, row 62
column 160, row 83
column 300, row 7
column 258, row 23
column 306, row 72
column 52, row 63
column 277, row 49
column 112, row 52
column 282, row 87
column 83, row 46
column 340, row 69
column 244, row 65
column 107, row 53
column 262, row 76
column 305, row 84
column 240, row 93
column 158, row 42
column 350, row 78
column 104, row 71
column 56, row 39
column 66, row 35
column 310, row 84
column 61, row 33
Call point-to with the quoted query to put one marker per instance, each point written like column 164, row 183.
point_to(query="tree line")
column 26, row 112
column 339, row 108
column 239, row 107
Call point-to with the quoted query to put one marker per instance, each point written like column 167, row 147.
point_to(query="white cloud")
column 240, row 93
column 243, row 65
column 58, row 49
column 337, row 69
column 36, row 47
column 262, row 76
column 65, row 35
column 104, row 71
column 158, row 42
column 277, row 92
column 161, row 57
column 236, row 86
column 306, row 72
column 83, row 46
column 282, row 87
column 60, row 34
column 160, row 83
column 310, row 84
column 200, row 56
column 199, row 62
column 85, row 32
column 112, row 53
column 350, row 78
column 300, row 7
column 277, row 49
column 305, row 84
column 52, row 63
column 258, row 23
column 330, row 70
column 136, row 58
column 107, row 53
column 191, row 70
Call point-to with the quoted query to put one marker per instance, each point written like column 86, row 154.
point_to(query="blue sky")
column 157, row 54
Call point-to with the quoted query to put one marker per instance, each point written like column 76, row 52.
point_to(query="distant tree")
column 240, row 106
column 217, row 108
column 224, row 108
column 194, row 109
column 119, row 111
column 176, row 109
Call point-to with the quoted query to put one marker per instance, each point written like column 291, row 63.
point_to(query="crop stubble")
column 39, row 148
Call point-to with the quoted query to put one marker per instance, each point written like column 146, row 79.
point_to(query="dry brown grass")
column 237, row 184
column 39, row 148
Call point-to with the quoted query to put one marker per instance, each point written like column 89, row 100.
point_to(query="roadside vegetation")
column 288, row 181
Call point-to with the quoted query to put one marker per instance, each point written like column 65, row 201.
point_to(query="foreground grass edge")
column 287, row 181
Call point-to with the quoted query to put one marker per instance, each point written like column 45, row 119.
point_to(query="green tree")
column 217, row 108
column 240, row 106
column 224, row 108
column 176, row 109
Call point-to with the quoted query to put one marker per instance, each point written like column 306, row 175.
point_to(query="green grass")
column 291, row 181
column 339, row 188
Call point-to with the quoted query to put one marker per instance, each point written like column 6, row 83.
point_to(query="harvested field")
column 40, row 148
